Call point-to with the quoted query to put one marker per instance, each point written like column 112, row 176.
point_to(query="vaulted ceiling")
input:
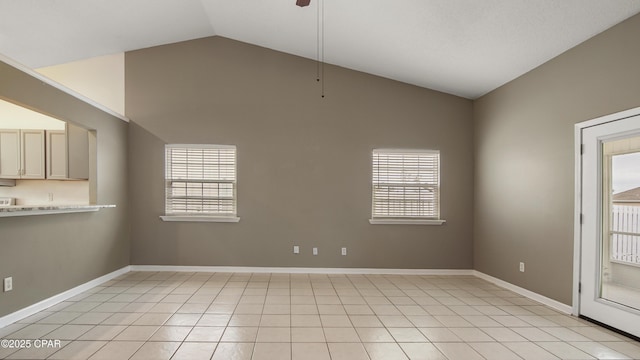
column 462, row 47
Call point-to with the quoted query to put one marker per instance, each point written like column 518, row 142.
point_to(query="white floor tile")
column 494, row 351
column 564, row 351
column 191, row 315
column 422, row 351
column 458, row 351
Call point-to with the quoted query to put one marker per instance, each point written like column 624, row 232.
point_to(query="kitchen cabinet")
column 22, row 154
column 56, row 154
column 68, row 153
column 10, row 154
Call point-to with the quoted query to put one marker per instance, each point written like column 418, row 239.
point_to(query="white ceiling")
column 462, row 47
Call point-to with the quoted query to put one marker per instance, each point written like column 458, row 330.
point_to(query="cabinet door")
column 78, row 155
column 33, row 154
column 10, row 154
column 56, row 154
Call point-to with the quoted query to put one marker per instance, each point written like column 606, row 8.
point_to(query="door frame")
column 577, row 216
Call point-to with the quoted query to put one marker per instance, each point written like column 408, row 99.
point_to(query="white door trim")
column 577, row 230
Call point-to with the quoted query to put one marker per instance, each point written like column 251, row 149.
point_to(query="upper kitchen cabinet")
column 9, row 154
column 68, row 153
column 22, row 154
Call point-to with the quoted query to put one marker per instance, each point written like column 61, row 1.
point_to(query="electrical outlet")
column 296, row 249
column 50, row 196
column 8, row 284
column 344, row 251
column 521, row 267
column 315, row 251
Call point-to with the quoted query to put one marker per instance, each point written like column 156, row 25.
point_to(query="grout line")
column 388, row 286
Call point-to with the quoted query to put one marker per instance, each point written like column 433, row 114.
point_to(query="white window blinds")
column 406, row 184
column 200, row 180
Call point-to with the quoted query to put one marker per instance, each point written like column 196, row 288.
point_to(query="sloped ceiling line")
column 466, row 48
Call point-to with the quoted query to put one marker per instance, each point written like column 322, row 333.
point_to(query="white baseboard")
column 303, row 270
column 554, row 304
column 567, row 309
column 46, row 303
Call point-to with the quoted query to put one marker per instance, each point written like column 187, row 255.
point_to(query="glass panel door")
column 620, row 273
column 610, row 228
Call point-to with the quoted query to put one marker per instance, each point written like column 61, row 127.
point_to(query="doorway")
column 608, row 221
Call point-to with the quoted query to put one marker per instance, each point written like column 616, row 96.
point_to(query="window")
column 200, row 183
column 406, row 187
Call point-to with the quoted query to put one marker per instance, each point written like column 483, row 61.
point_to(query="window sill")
column 406, row 222
column 225, row 219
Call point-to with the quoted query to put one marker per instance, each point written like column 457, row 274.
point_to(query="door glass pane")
column 620, row 258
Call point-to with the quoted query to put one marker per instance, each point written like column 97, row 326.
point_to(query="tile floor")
column 167, row 315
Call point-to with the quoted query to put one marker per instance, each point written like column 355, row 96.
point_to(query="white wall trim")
column 373, row 271
column 608, row 118
column 577, row 217
column 303, row 270
column 390, row 221
column 46, row 303
column 526, row 293
column 192, row 218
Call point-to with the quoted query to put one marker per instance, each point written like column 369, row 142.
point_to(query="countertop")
column 25, row 210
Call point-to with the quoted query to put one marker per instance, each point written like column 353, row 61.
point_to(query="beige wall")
column 101, row 79
column 304, row 166
column 524, row 157
column 16, row 117
column 49, row 254
column 303, row 162
column 37, row 192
